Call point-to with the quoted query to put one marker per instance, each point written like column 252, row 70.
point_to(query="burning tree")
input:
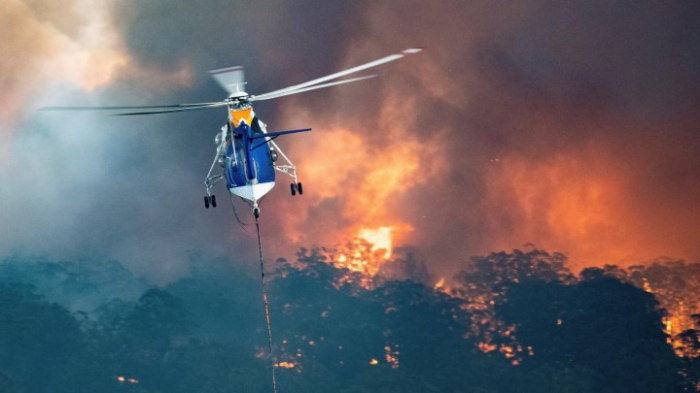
column 484, row 284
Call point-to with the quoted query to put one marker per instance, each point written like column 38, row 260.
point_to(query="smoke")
column 565, row 126
column 569, row 126
column 49, row 43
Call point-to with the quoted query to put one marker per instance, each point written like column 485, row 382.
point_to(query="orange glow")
column 392, row 356
column 573, row 204
column 487, row 347
column 440, row 283
column 561, row 202
column 587, row 203
column 356, row 180
column 122, row 379
column 379, row 238
column 678, row 318
column 366, row 253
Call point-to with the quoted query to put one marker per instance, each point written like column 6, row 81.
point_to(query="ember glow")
column 676, row 285
column 123, row 379
column 391, row 355
column 440, row 284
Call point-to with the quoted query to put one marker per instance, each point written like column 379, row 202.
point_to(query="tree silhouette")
column 36, row 338
column 600, row 324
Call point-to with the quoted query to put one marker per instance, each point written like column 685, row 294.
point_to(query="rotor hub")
column 238, row 100
column 237, row 95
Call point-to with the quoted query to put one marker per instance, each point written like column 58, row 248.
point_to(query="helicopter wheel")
column 293, row 187
column 256, row 212
column 206, row 202
column 300, row 189
column 213, row 200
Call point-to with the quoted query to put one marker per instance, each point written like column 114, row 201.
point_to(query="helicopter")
column 245, row 149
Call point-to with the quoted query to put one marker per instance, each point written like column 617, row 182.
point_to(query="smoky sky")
column 568, row 125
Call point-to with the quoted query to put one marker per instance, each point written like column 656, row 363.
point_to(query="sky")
column 566, row 126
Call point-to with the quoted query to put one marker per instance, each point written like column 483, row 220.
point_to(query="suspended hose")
column 267, row 307
column 243, row 225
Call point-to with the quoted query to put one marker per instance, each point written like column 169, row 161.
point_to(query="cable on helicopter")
column 267, row 306
column 243, row 225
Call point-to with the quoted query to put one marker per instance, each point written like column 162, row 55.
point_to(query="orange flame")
column 357, row 173
column 367, row 252
column 379, row 238
column 440, row 283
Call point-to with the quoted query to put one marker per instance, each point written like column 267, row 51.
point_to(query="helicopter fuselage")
column 249, row 165
column 248, row 154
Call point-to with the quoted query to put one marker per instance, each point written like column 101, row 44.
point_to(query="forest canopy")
column 509, row 321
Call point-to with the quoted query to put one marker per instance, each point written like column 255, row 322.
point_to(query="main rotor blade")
column 232, row 79
column 352, row 70
column 269, row 96
column 192, row 108
column 118, row 108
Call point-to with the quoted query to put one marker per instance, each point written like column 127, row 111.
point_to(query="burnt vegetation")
column 517, row 321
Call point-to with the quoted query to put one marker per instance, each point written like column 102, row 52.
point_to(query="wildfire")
column 440, row 283
column 677, row 320
column 360, row 178
column 366, row 252
column 379, row 238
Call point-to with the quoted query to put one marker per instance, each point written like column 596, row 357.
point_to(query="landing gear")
column 220, row 158
column 209, row 200
column 288, row 169
column 296, row 187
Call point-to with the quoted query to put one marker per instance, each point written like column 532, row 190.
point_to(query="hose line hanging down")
column 267, row 306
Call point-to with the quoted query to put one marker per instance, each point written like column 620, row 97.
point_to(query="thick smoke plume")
column 569, row 126
column 561, row 126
